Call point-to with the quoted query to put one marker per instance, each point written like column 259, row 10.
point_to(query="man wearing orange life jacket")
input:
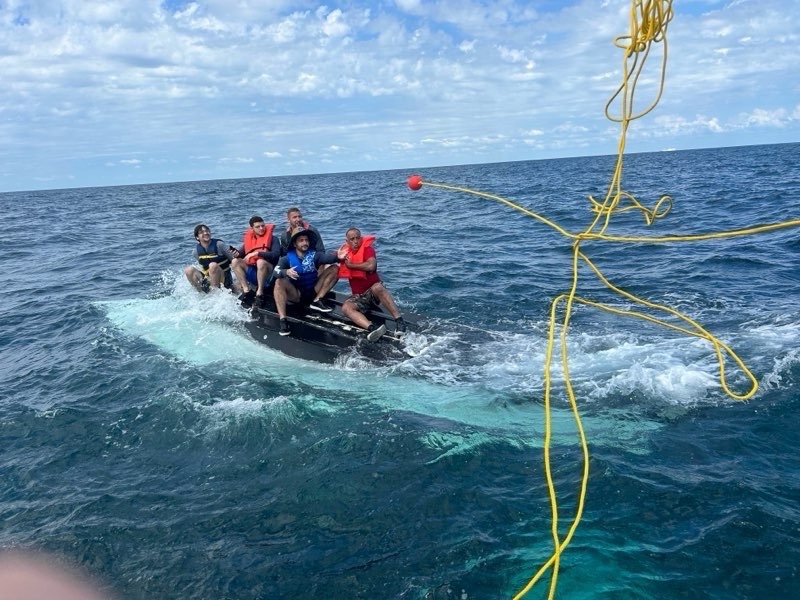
column 358, row 262
column 261, row 254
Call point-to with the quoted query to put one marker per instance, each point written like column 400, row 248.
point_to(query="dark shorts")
column 251, row 274
column 227, row 281
column 364, row 302
column 306, row 296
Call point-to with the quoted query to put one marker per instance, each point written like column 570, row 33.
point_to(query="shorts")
column 251, row 275
column 364, row 302
column 227, row 281
column 306, row 296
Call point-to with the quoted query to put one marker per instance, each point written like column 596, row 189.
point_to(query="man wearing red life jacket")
column 358, row 262
column 261, row 254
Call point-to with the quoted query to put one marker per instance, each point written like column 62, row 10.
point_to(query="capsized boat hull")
column 323, row 337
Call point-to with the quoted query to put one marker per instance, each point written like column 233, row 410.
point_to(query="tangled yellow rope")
column 647, row 26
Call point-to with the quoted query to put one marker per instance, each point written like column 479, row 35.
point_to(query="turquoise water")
column 146, row 436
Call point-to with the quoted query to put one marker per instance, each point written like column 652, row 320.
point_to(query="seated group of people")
column 297, row 268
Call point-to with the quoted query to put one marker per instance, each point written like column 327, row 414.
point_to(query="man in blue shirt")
column 299, row 278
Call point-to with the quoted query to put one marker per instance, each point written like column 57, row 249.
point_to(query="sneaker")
column 320, row 306
column 399, row 326
column 375, row 332
column 284, row 330
column 205, row 286
column 260, row 301
column 247, row 298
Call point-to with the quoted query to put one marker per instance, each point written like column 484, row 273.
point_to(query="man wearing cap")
column 299, row 278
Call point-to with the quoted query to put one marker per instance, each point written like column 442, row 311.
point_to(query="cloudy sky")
column 113, row 92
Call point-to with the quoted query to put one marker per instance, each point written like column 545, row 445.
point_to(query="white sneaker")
column 375, row 333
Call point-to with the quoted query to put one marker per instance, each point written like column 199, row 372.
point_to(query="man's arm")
column 226, row 250
column 284, row 240
column 325, row 258
column 274, row 253
column 369, row 265
column 281, row 267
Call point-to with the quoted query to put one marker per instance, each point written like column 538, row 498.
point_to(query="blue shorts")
column 251, row 275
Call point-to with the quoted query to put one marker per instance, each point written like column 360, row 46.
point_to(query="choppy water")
column 146, row 436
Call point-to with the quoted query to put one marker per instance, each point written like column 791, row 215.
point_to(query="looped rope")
column 648, row 25
column 649, row 214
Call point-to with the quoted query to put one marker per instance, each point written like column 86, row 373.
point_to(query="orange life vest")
column 262, row 242
column 355, row 257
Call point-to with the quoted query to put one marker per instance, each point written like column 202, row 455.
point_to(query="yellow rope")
column 648, row 21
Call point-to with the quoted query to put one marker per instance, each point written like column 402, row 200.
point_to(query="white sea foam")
column 199, row 341
column 475, row 380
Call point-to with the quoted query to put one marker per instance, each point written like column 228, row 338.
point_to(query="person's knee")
column 283, row 287
column 190, row 272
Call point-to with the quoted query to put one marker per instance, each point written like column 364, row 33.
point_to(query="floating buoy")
column 414, row 182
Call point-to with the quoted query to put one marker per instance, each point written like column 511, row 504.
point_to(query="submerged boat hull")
column 323, row 337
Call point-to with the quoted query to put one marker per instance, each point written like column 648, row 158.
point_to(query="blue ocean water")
column 146, row 436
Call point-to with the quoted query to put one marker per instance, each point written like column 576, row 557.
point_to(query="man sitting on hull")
column 299, row 278
column 261, row 253
column 216, row 259
column 359, row 264
column 295, row 221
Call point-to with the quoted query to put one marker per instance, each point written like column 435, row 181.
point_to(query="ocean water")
column 145, row 436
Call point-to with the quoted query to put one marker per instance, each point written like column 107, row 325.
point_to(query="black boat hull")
column 323, row 337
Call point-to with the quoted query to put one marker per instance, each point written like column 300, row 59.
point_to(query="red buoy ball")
column 415, row 182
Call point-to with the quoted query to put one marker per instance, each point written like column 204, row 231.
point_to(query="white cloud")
column 334, row 25
column 408, row 5
column 467, row 46
column 680, row 125
column 771, row 118
column 86, row 83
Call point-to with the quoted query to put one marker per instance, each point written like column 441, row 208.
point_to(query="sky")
column 114, row 92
